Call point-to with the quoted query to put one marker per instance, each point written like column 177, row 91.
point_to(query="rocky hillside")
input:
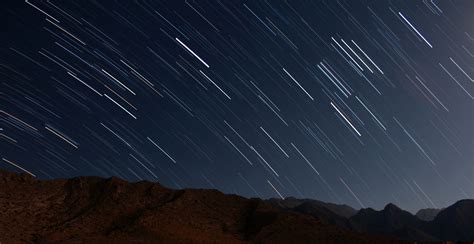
column 92, row 209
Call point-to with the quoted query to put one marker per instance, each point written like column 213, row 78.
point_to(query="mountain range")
column 94, row 209
column 455, row 222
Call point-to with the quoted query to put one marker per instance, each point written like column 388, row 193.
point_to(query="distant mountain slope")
column 427, row 214
column 291, row 202
column 92, row 209
column 322, row 213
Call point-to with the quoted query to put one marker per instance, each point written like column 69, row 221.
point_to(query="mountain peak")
column 392, row 207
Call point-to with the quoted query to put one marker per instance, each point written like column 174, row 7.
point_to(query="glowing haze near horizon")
column 356, row 102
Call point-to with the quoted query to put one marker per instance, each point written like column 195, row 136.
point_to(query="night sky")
column 356, row 102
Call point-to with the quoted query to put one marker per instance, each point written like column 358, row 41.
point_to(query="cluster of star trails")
column 343, row 101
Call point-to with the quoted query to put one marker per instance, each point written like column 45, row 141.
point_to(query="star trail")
column 356, row 102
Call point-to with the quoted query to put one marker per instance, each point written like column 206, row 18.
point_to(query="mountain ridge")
column 95, row 209
column 456, row 222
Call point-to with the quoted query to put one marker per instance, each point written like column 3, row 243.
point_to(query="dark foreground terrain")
column 93, row 209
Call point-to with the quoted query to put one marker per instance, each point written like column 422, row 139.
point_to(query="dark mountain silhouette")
column 391, row 221
column 455, row 221
column 93, row 209
column 427, row 214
